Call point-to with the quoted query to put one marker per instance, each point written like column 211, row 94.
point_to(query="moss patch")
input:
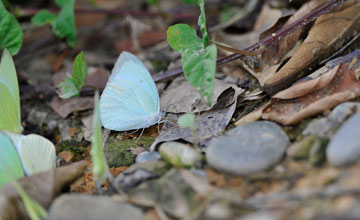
column 117, row 152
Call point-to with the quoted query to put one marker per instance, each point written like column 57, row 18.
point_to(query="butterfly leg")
column 142, row 131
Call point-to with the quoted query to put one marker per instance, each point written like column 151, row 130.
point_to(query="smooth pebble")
column 147, row 156
column 76, row 206
column 344, row 148
column 252, row 147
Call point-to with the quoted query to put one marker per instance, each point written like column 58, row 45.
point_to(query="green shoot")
column 72, row 86
column 100, row 167
column 198, row 56
column 63, row 23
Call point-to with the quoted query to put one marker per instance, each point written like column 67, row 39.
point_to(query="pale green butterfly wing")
column 10, row 165
column 8, row 117
column 130, row 99
column 37, row 154
column 9, row 95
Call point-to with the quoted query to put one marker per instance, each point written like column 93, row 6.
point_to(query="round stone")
column 252, row 147
column 344, row 148
column 147, row 156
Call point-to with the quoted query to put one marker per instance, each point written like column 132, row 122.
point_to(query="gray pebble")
column 344, row 148
column 326, row 127
column 77, row 206
column 250, row 148
column 147, row 156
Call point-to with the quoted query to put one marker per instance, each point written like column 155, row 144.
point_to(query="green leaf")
column 187, row 121
column 10, row 165
column 79, row 71
column 33, row 208
column 198, row 62
column 202, row 23
column 198, row 57
column 64, row 24
column 182, row 37
column 100, row 167
column 153, row 2
column 10, row 32
column 190, row 2
column 43, row 17
column 68, row 89
column 9, row 95
column 72, row 86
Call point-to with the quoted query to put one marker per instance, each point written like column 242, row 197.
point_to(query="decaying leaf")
column 64, row 107
column 209, row 124
column 43, row 187
column 274, row 53
column 181, row 97
column 328, row 34
column 308, row 98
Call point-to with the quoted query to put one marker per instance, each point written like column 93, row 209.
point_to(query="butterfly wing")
column 9, row 95
column 10, row 165
column 130, row 99
column 37, row 154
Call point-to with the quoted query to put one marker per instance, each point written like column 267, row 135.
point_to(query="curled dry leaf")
column 209, row 124
column 328, row 34
column 308, row 98
column 274, row 53
column 43, row 187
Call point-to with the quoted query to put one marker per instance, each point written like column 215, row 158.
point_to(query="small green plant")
column 72, row 86
column 100, row 167
column 188, row 121
column 198, row 55
column 10, row 32
column 63, row 23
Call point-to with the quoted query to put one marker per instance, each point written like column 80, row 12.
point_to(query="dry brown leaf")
column 328, row 34
column 181, row 97
column 97, row 77
column 311, row 97
column 43, row 187
column 64, row 107
column 275, row 52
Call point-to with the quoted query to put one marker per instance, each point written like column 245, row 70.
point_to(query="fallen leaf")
column 97, row 77
column 43, row 187
column 209, row 124
column 328, row 34
column 308, row 98
column 274, row 53
column 181, row 97
column 64, row 107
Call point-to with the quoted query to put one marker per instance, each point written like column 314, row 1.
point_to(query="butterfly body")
column 130, row 99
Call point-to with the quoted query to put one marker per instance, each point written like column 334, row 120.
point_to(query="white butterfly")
column 130, row 99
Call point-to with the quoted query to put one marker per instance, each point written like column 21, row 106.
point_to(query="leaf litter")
column 193, row 192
